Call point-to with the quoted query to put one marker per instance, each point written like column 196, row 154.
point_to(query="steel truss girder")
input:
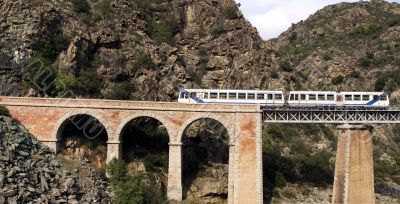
column 331, row 116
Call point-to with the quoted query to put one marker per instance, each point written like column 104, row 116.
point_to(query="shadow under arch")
column 205, row 158
column 82, row 135
column 145, row 149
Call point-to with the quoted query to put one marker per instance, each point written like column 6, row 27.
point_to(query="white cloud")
column 272, row 17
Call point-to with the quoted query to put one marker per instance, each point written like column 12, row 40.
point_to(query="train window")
column 193, row 94
column 383, row 98
column 251, row 96
column 260, row 96
column 205, row 95
column 321, row 97
column 278, row 96
column 348, row 97
column 232, row 96
column 296, row 97
column 302, row 97
column 365, row 97
column 330, row 97
column 242, row 95
column 200, row 95
column 223, row 95
column 376, row 97
column 270, row 97
column 213, row 95
column 312, row 97
column 186, row 95
column 182, row 95
column 357, row 97
column 291, row 97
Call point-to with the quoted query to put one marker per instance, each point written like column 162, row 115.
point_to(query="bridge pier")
column 354, row 175
column 113, row 150
column 174, row 190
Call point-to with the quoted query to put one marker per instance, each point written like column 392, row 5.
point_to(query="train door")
column 339, row 100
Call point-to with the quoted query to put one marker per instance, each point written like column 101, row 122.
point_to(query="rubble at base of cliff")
column 32, row 173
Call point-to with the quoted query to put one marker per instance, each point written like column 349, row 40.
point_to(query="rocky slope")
column 31, row 173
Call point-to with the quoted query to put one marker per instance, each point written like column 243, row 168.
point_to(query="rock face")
column 31, row 173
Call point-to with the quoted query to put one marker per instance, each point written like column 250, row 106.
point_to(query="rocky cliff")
column 146, row 50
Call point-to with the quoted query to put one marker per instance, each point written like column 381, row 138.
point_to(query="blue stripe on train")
column 192, row 97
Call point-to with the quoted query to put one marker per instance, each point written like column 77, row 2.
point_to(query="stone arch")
column 59, row 126
column 220, row 119
column 225, row 121
column 124, row 122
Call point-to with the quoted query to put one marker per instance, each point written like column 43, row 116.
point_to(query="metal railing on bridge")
column 336, row 115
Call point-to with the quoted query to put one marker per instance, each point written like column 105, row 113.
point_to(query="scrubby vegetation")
column 120, row 91
column 143, row 62
column 4, row 111
column 163, row 31
column 127, row 189
column 299, row 164
column 218, row 28
column 337, row 80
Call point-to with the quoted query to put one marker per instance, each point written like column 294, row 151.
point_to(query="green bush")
column 274, row 74
column 81, row 6
column 286, row 66
column 316, row 168
column 127, row 189
column 87, row 84
column 337, row 80
column 4, row 111
column 143, row 62
column 365, row 61
column 218, row 29
column 293, row 37
column 163, row 31
column 154, row 162
column 394, row 21
column 52, row 46
column 121, row 91
column 280, row 180
column 355, row 74
column 40, row 75
column 229, row 12
column 380, row 83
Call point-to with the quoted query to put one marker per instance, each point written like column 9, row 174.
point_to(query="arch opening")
column 205, row 161
column 145, row 151
column 83, row 136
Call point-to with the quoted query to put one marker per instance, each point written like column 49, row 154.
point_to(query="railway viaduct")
column 45, row 118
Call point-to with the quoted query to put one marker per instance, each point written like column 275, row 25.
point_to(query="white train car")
column 364, row 99
column 312, row 98
column 230, row 96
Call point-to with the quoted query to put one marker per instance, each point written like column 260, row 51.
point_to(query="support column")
column 248, row 160
column 231, row 173
column 113, row 150
column 354, row 173
column 174, row 190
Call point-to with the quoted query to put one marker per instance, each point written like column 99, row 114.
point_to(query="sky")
column 272, row 17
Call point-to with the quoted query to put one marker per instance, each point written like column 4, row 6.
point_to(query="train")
column 269, row 98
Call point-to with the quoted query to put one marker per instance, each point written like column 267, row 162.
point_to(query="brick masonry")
column 45, row 118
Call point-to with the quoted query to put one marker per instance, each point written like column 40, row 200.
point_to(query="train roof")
column 313, row 92
column 232, row 90
column 356, row 92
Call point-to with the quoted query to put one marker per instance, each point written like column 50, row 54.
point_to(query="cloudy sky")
column 272, row 17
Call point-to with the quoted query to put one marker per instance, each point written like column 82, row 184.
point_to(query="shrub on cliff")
column 121, row 91
column 127, row 189
column 81, row 6
column 4, row 111
column 163, row 31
